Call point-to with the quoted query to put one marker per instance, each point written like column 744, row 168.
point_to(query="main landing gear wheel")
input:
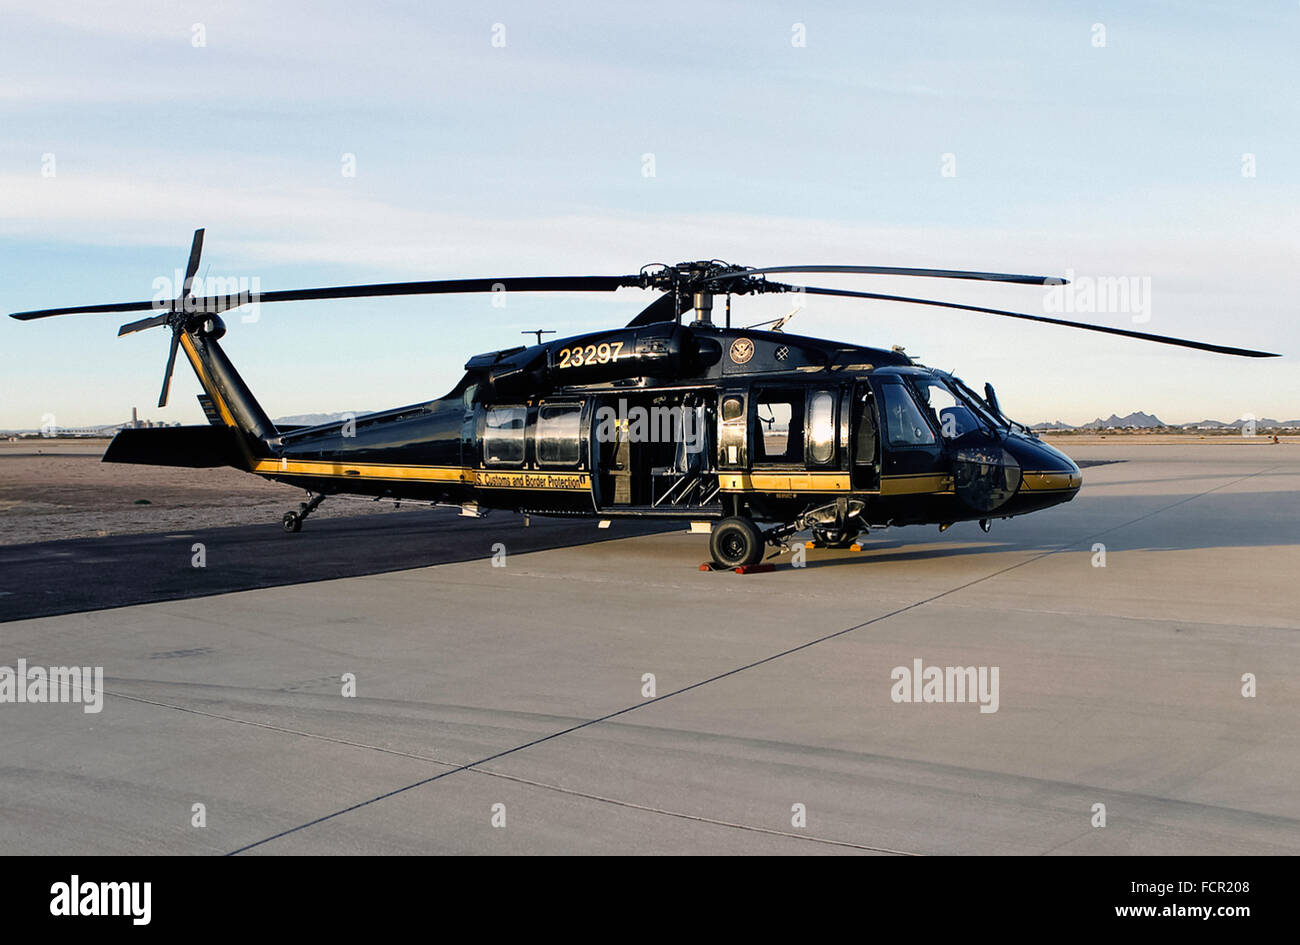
column 735, row 542
column 291, row 522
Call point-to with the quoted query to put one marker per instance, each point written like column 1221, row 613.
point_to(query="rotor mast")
column 703, row 308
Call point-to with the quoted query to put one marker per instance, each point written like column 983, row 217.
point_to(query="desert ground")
column 58, row 488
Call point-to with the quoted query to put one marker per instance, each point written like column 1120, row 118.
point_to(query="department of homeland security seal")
column 742, row 349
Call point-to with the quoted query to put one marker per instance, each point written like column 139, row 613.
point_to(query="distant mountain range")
column 1138, row 420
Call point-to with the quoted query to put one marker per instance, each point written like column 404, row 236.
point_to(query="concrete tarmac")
column 520, row 694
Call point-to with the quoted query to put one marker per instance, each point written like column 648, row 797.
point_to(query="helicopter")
column 750, row 434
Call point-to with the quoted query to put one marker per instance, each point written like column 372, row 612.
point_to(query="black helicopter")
column 722, row 427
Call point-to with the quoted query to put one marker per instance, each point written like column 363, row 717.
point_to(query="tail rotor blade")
column 111, row 308
column 196, row 249
column 171, row 363
column 142, row 324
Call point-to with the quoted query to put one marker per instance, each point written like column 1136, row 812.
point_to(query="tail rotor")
column 176, row 316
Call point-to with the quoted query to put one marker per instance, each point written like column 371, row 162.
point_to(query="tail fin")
column 235, row 406
column 238, row 434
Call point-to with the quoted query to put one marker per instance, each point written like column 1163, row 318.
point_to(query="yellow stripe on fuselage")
column 791, row 481
column 463, row 475
column 298, row 467
column 909, row 484
column 916, row 484
column 551, row 481
column 784, row 482
column 1052, row 481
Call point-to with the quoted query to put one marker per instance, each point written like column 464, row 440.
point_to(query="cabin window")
column 821, row 426
column 780, row 427
column 503, row 436
column 557, row 434
column 904, row 424
column 733, row 435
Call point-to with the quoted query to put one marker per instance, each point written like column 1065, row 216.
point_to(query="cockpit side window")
column 904, row 423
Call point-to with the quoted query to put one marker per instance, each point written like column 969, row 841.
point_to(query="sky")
column 335, row 142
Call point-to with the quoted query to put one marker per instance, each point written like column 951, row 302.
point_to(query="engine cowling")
column 665, row 350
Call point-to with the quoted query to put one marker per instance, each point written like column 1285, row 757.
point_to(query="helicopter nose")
column 1046, row 471
column 1055, row 480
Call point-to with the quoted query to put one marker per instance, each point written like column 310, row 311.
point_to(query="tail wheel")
column 735, row 542
column 292, row 522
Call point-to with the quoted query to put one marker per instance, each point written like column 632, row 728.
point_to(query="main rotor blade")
column 1145, row 336
column 222, row 303
column 214, row 304
column 196, row 248
column 895, row 271
column 171, row 363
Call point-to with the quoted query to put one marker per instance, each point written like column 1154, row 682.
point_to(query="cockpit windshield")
column 951, row 408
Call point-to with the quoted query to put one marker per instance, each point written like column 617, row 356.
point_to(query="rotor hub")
column 709, row 276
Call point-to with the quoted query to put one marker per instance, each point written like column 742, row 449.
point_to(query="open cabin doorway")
column 864, row 447
column 654, row 450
